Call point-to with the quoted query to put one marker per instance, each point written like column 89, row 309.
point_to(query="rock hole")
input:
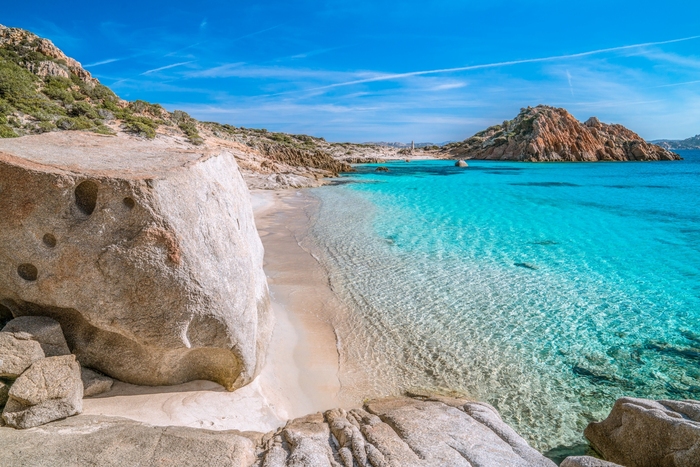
column 86, row 197
column 28, row 272
column 129, row 203
column 49, row 240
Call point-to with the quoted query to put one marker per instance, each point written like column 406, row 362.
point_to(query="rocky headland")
column 548, row 134
column 692, row 143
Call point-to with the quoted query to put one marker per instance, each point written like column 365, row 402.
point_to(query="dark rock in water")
column 595, row 377
column 526, row 266
column 381, row 169
column 691, row 336
column 668, row 349
column 646, row 433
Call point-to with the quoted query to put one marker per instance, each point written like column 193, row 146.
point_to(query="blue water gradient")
column 546, row 289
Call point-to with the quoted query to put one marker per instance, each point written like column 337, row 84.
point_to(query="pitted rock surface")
column 145, row 252
column 546, row 133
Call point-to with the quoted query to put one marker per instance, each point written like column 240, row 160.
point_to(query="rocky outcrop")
column 400, row 432
column 94, row 383
column 17, row 353
column 51, row 389
column 46, row 331
column 145, row 253
column 645, row 433
column 586, row 461
column 394, row 432
column 546, row 133
column 692, row 143
column 19, row 39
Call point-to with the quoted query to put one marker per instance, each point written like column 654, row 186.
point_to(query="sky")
column 424, row 71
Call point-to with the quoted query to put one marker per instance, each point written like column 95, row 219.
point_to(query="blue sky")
column 346, row 70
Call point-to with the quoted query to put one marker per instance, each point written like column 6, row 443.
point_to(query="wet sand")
column 300, row 375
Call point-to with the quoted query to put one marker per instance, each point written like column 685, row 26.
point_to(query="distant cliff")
column 688, row 143
column 546, row 133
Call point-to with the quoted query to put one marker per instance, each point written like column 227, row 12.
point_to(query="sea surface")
column 546, row 289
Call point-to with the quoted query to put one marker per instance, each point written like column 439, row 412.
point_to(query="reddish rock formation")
column 546, row 133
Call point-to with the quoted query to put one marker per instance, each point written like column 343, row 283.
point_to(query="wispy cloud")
column 396, row 76
column 448, row 86
column 685, row 83
column 256, row 33
column 166, row 67
column 104, row 62
column 571, row 86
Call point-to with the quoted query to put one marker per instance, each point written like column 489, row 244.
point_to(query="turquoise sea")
column 546, row 289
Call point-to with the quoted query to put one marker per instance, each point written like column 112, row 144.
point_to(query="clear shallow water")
column 548, row 290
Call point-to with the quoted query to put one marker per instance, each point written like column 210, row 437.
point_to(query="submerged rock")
column 381, row 169
column 646, row 433
column 146, row 254
column 17, row 353
column 51, row 389
column 46, row 331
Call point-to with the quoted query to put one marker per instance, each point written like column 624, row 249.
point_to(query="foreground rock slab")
column 394, row 432
column 51, row 389
column 145, row 252
column 119, row 442
column 646, row 433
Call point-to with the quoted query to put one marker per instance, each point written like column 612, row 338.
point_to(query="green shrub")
column 7, row 132
column 83, row 109
column 45, row 127
column 16, row 83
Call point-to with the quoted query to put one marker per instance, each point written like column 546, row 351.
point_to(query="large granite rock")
column 145, row 252
column 401, row 432
column 586, row 461
column 17, row 353
column 115, row 442
column 546, row 133
column 51, row 389
column 646, row 433
column 46, row 331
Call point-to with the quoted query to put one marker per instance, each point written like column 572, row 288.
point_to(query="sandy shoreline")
column 301, row 370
